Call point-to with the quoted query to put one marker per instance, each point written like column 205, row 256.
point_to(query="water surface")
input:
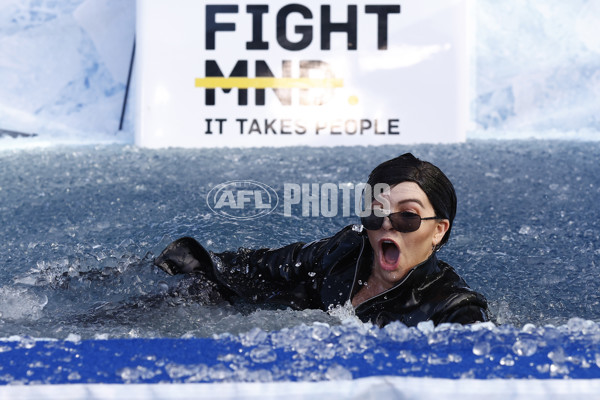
column 79, row 227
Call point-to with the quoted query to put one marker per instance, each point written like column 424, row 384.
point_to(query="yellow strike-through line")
column 267, row 83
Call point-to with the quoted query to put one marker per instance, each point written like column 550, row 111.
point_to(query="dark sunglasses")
column 403, row 221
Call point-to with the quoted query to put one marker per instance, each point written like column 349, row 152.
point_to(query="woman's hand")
column 182, row 256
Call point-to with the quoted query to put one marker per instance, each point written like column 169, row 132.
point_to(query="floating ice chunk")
column 133, row 333
column 73, row 337
column 529, row 328
column 426, row 327
column 398, row 332
column 27, row 343
column 492, row 175
column 255, row 337
column 507, row 361
column 260, row 375
column 407, row 356
column 357, row 228
column 176, row 371
column 543, row 368
column 320, row 331
column 590, row 327
column 345, row 313
column 353, row 342
column 219, row 372
column 525, row 347
column 435, row 359
column 192, row 373
column 324, row 351
column 128, row 244
column 26, row 280
column 559, row 369
column 109, row 264
column 101, row 336
column 337, row 372
column 21, row 303
column 443, row 333
column 138, row 373
column 525, row 230
column 74, row 376
column 557, row 356
column 482, row 348
column 263, row 354
column 576, row 325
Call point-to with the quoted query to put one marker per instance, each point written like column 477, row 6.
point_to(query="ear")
column 440, row 230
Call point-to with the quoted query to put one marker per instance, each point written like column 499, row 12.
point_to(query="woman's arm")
column 288, row 275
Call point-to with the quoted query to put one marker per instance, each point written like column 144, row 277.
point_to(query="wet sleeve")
column 263, row 274
column 289, row 275
column 467, row 309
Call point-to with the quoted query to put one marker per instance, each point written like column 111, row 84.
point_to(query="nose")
column 387, row 224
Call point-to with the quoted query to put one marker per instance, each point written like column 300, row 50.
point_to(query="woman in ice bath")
column 387, row 268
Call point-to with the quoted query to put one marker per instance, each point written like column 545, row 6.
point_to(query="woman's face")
column 396, row 253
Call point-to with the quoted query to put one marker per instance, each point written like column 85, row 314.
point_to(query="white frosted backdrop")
column 63, row 66
column 538, row 68
column 57, row 68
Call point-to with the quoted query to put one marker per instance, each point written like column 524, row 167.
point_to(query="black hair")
column 436, row 185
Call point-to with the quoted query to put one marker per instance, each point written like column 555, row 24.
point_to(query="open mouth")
column 389, row 254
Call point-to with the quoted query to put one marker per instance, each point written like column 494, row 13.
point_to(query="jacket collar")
column 411, row 281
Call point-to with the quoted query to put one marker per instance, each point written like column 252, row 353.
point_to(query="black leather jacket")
column 327, row 273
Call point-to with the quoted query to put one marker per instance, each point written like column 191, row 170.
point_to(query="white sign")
column 319, row 73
